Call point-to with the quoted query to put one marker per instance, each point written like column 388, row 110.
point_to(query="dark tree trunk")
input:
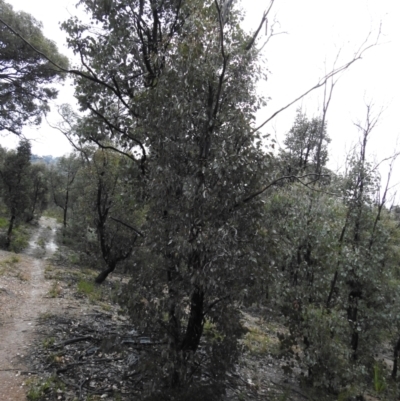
column 194, row 328
column 395, row 359
column 9, row 231
column 65, row 208
column 352, row 312
column 104, row 274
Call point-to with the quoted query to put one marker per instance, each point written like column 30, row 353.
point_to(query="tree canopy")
column 25, row 75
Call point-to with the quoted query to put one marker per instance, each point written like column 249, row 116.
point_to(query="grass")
column 48, row 342
column 379, row 379
column 12, row 260
column 9, row 263
column 55, row 290
column 210, row 331
column 20, row 239
column 55, row 213
column 45, row 316
column 3, row 222
column 38, row 388
column 89, row 289
column 258, row 342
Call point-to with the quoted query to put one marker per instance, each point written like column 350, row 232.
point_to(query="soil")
column 22, row 301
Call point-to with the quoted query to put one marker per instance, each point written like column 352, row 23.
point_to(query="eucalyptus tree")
column 335, row 259
column 62, row 179
column 108, row 207
column 39, row 176
column 175, row 83
column 16, row 184
column 306, row 145
column 25, row 75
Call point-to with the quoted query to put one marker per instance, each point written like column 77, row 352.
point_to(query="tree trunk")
column 191, row 340
column 104, row 274
column 65, row 208
column 194, row 328
column 9, row 231
column 352, row 312
column 395, row 359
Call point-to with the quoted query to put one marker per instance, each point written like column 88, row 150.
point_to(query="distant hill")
column 48, row 159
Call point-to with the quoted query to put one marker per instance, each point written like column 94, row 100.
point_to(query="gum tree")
column 16, row 184
column 25, row 75
column 174, row 82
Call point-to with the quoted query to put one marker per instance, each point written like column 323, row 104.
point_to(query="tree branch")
column 263, row 19
column 286, row 177
column 127, row 226
column 357, row 56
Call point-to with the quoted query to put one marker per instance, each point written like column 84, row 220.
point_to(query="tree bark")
column 9, row 231
column 194, row 328
column 395, row 359
column 104, row 274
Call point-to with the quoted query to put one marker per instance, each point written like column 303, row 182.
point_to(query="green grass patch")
column 19, row 239
column 3, row 222
column 90, row 290
column 48, row 342
column 258, row 342
column 11, row 260
column 8, row 263
column 210, row 331
column 38, row 388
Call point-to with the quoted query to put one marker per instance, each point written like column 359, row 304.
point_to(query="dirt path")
column 22, row 292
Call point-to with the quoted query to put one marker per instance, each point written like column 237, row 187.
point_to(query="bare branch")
column 225, row 61
column 271, row 35
column 127, row 226
column 322, row 82
column 286, row 177
column 263, row 20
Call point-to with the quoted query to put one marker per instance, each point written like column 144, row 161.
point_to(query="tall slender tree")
column 16, row 184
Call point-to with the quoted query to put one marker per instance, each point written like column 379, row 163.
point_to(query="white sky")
column 316, row 31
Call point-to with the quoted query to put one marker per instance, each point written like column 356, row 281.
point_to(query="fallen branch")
column 73, row 341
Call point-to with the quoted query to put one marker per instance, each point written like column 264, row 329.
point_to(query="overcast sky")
column 316, row 30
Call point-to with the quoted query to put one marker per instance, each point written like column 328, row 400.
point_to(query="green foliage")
column 89, row 289
column 306, row 146
column 24, row 90
column 20, row 239
column 379, row 379
column 48, row 342
column 62, row 183
column 211, row 332
column 257, row 342
column 8, row 263
column 333, row 262
column 23, row 190
column 12, row 259
column 38, row 388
